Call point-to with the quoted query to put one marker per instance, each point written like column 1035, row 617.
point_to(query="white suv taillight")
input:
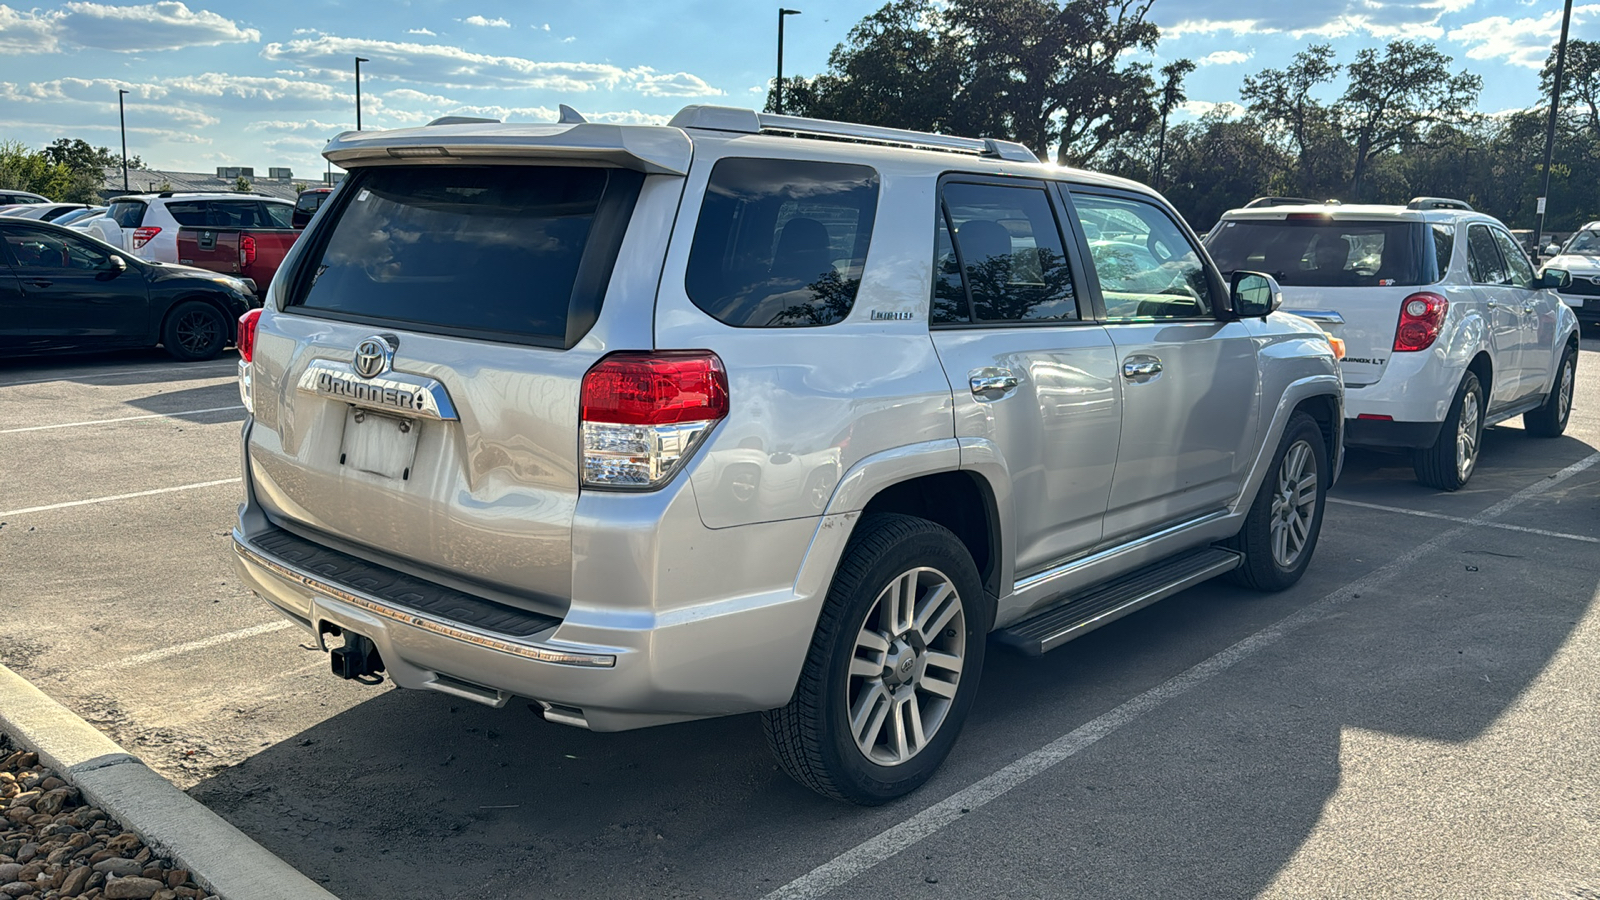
column 144, row 234
column 643, row 414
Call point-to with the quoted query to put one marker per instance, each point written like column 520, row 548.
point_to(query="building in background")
column 278, row 182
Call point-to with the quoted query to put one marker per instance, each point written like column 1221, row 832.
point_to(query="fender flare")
column 1295, row 393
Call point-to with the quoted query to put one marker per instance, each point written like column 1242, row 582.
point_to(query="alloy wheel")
column 906, row 666
column 1294, row 504
column 1468, row 435
column 197, row 331
column 1564, row 391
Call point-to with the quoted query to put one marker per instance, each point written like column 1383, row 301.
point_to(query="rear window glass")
column 228, row 213
column 126, row 213
column 1320, row 252
column 519, row 253
column 782, row 243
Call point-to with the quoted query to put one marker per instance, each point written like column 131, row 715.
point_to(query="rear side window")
column 1483, row 257
column 1444, row 246
column 1317, row 251
column 781, row 243
column 126, row 213
column 1006, row 263
column 511, row 253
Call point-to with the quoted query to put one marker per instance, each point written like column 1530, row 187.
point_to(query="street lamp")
column 1550, row 129
column 359, row 61
column 122, row 122
column 777, row 103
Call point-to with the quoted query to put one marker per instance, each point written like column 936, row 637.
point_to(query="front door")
column 1537, row 347
column 15, row 317
column 74, row 292
column 1188, row 380
column 1034, row 380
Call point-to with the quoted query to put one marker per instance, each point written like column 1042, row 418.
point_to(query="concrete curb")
column 219, row 857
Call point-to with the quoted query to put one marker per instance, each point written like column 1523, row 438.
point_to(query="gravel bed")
column 52, row 845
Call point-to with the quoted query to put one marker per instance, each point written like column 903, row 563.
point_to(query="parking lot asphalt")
column 1418, row 717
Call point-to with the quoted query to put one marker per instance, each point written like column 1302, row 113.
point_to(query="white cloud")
column 568, row 40
column 420, row 31
column 1519, row 42
column 677, row 84
column 1212, row 26
column 1201, row 108
column 1225, row 58
column 481, row 22
column 545, row 27
column 167, row 25
column 443, row 65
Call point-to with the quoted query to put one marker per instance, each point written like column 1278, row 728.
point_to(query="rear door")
column 72, row 292
column 1501, row 307
column 1033, row 375
column 476, row 289
column 15, row 316
column 1189, row 381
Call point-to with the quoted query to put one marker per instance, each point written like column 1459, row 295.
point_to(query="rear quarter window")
column 781, row 243
column 126, row 213
column 511, row 253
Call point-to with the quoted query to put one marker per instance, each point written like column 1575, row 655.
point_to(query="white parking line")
column 141, row 658
column 181, row 487
column 170, row 415
column 1459, row 520
column 117, row 373
column 846, row 866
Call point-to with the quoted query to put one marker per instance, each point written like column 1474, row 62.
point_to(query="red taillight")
column 144, row 234
column 655, row 389
column 247, row 334
column 247, row 249
column 1421, row 317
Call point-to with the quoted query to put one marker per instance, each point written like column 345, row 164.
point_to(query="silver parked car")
column 758, row 413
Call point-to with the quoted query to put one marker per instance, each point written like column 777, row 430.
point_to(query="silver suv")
column 758, row 413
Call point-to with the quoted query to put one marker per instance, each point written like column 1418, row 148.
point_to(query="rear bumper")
column 611, row 663
column 1378, row 433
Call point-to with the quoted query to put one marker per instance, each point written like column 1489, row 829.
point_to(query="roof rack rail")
column 462, row 120
column 1438, row 203
column 1264, row 202
column 747, row 121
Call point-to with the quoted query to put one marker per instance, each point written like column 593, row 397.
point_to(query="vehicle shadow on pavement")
column 178, row 404
column 130, row 367
column 413, row 794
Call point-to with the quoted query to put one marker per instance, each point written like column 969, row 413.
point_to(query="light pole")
column 359, row 61
column 122, row 123
column 1550, row 131
column 777, row 103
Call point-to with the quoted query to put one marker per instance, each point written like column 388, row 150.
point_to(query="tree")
column 1392, row 98
column 33, row 170
column 1284, row 103
column 1580, row 79
column 242, row 185
column 1048, row 73
column 1172, row 95
column 77, row 155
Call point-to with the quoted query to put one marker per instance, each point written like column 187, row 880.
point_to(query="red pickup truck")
column 251, row 253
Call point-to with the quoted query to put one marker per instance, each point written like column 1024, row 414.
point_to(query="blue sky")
column 262, row 84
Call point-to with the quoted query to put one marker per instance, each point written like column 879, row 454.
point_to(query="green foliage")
column 25, row 169
column 1391, row 99
column 299, row 186
column 77, row 155
column 242, row 185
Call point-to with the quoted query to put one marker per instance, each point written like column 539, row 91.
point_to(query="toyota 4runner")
column 758, row 413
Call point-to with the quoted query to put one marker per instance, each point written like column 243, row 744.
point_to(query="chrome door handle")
column 1528, row 310
column 1492, row 305
column 1141, row 368
column 991, row 383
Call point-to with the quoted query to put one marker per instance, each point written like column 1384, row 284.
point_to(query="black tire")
column 811, row 736
column 194, row 331
column 1550, row 420
column 1441, row 466
column 1261, row 569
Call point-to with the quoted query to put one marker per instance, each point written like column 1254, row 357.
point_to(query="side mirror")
column 1255, row 295
column 112, row 269
column 1556, row 279
column 1552, row 250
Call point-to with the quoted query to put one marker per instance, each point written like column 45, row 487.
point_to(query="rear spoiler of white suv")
column 654, row 150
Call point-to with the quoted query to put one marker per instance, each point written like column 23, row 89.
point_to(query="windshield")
column 1584, row 243
column 1322, row 252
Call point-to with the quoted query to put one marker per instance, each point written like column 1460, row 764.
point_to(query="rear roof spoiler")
column 654, row 150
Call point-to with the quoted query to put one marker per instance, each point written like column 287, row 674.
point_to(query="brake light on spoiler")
column 643, row 414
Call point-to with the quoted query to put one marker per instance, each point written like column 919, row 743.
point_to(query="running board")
column 1110, row 601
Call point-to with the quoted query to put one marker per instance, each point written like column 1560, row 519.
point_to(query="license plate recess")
column 378, row 444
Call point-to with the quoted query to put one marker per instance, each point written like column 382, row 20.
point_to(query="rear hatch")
column 416, row 402
column 1349, row 275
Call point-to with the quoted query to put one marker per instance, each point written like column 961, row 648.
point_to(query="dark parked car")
column 63, row 290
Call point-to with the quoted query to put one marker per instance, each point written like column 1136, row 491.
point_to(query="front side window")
column 1006, row 262
column 1517, row 265
column 1483, row 257
column 43, row 250
column 781, row 243
column 1147, row 267
column 517, row 253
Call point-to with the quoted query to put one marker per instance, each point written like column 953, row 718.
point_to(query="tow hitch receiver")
column 357, row 660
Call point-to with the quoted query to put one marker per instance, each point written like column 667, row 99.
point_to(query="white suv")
column 1580, row 257
column 146, row 225
column 1447, row 327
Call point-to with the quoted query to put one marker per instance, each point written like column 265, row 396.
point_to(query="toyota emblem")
column 373, row 357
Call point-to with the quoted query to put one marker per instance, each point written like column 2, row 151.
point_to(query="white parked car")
column 44, row 212
column 146, row 225
column 1447, row 327
column 1580, row 257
